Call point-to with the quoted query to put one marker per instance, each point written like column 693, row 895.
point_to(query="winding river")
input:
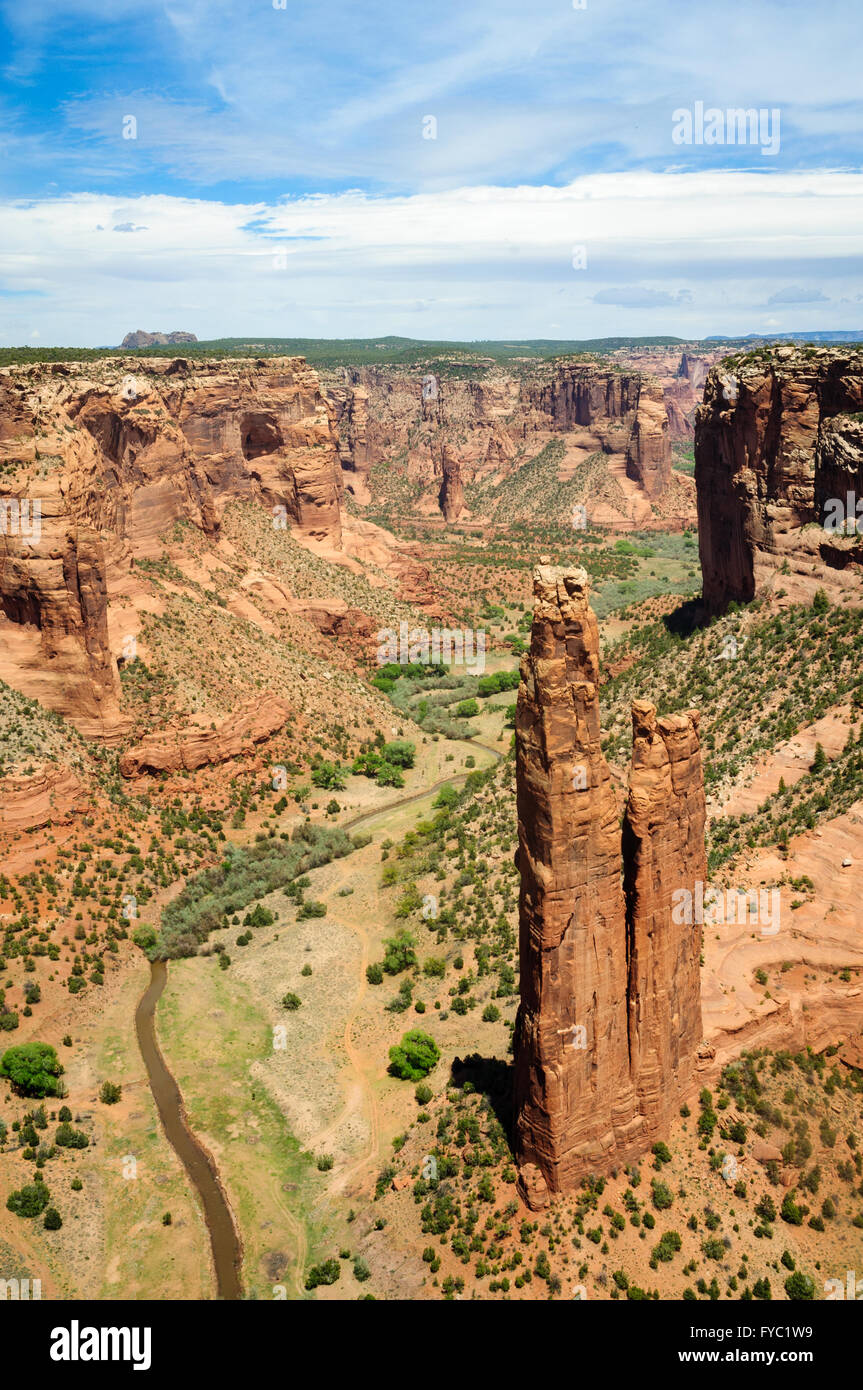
column 224, row 1238
column 225, row 1242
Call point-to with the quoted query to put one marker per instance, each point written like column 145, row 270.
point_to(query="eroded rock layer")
column 778, row 440
column 609, row 1021
column 98, row 460
column 450, row 429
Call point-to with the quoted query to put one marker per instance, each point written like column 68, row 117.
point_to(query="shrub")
column 800, row 1287
column 414, row 1057
column 53, row 1220
column 661, row 1194
column 110, row 1093
column 291, row 1001
column 400, row 753
column 33, row 1069
column 361, row 1270
column 28, row 1201
column 326, row 1273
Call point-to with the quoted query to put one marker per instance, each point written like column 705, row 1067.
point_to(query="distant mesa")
column 141, row 339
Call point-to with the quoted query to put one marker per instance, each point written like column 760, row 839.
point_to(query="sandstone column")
column 610, row 1015
column 572, row 1091
column 663, row 851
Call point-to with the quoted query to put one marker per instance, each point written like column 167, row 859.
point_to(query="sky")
column 459, row 170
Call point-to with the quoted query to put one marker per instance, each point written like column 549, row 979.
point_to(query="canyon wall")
column 454, row 427
column 778, row 437
column 610, row 1021
column 98, row 459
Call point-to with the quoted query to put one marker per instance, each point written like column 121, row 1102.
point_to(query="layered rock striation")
column 778, row 444
column 451, row 429
column 610, row 1020
column 99, row 460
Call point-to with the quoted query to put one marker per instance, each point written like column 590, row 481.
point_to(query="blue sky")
column 281, row 178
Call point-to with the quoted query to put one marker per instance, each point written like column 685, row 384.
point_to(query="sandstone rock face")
column 52, row 795
column 609, row 1021
column 453, row 430
column 681, row 373
column 776, row 439
column 124, row 451
column 141, row 339
column 451, row 494
column 663, row 851
column 191, row 748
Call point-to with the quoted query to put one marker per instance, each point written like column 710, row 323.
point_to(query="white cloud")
column 697, row 250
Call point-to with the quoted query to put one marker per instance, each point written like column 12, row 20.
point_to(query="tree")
column 400, row 753
column 33, row 1069
column 291, row 1002
column 414, row 1057
column 800, row 1287
column 329, row 776
column 790, row 1210
column 110, row 1093
column 29, row 1201
column 390, row 776
column 446, row 798
column 326, row 1273
column 53, row 1220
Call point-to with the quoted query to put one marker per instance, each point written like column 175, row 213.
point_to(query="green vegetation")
column 33, row 1069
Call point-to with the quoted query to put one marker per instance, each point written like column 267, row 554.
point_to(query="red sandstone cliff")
column 123, row 450
column 609, row 1020
column 487, row 423
column 663, row 850
column 777, row 437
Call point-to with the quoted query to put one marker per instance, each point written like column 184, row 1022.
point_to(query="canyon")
column 609, row 1024
column 455, row 426
column 100, row 462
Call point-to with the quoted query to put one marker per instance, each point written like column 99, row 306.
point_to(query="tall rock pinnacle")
column 610, row 1012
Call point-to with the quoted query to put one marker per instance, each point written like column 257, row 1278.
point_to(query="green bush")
column 414, row 1057
column 29, row 1201
column 326, row 1273
column 33, row 1069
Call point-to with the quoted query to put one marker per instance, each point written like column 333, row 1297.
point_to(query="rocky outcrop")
column 52, row 795
column 141, row 339
column 663, row 851
column 648, row 451
column 778, row 440
column 451, row 495
column 124, row 451
column 448, row 428
column 606, row 1034
column 171, row 750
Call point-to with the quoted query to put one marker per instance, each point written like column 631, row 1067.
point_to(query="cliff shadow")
column 490, row 1077
column 687, row 617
